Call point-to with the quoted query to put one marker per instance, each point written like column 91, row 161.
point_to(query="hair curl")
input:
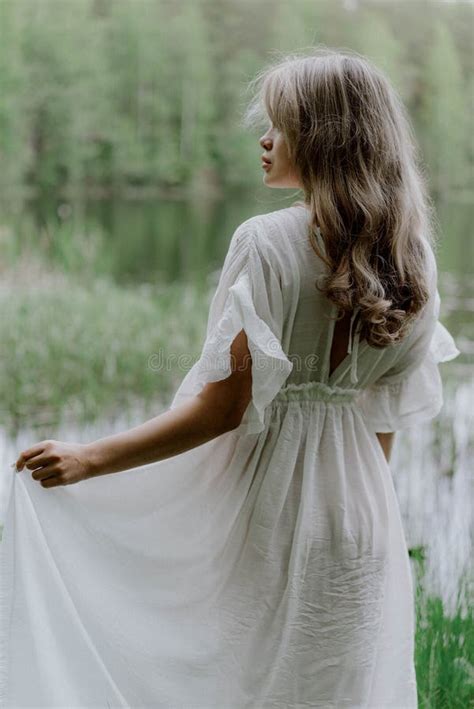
column 350, row 138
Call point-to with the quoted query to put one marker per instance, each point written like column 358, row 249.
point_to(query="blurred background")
column 123, row 174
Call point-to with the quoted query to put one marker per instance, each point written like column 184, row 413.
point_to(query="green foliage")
column 105, row 95
column 443, row 116
column 84, row 349
column 444, row 650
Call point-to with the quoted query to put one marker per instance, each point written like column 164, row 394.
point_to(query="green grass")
column 444, row 649
column 83, row 348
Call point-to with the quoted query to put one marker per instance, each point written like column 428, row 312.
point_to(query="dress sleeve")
column 412, row 391
column 248, row 297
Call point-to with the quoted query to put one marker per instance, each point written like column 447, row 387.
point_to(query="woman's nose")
column 265, row 143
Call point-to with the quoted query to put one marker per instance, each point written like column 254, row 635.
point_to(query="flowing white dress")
column 265, row 568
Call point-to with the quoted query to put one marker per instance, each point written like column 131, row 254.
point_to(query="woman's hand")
column 55, row 463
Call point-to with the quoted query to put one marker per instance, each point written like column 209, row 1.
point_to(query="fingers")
column 49, row 476
column 51, row 482
column 30, row 453
column 39, row 461
column 46, row 472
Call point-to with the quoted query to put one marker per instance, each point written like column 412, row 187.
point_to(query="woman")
column 251, row 554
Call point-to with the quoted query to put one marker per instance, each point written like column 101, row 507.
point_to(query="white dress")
column 265, row 568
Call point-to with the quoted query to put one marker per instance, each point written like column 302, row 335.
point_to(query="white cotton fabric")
column 265, row 568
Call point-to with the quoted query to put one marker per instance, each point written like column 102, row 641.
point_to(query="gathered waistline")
column 316, row 391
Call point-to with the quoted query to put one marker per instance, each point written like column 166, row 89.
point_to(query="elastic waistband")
column 316, row 391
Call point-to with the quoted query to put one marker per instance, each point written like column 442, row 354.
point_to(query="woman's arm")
column 386, row 441
column 218, row 408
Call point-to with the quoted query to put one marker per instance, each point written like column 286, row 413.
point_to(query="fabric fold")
column 270, row 365
column 414, row 398
column 247, row 298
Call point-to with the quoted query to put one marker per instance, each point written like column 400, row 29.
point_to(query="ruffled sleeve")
column 412, row 391
column 248, row 297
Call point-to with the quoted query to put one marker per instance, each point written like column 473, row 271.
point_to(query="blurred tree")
column 13, row 124
column 102, row 95
column 443, row 117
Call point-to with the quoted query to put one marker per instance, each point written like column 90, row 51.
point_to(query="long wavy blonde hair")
column 349, row 136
